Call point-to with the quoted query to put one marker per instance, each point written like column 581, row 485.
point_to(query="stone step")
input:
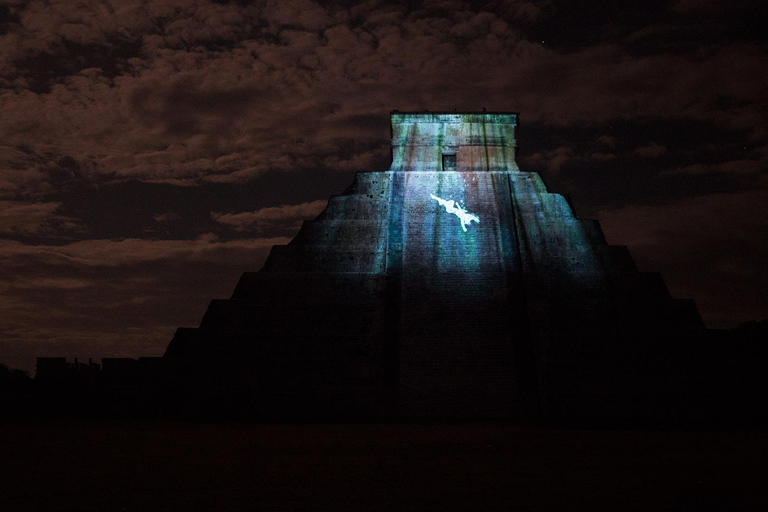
column 370, row 233
column 324, row 258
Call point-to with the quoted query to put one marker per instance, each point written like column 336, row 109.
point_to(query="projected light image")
column 464, row 216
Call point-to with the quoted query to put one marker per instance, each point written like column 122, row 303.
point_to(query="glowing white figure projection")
column 451, row 206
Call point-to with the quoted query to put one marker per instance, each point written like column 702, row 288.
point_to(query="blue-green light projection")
column 464, row 216
column 391, row 219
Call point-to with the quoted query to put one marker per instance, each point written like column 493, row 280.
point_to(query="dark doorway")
column 449, row 162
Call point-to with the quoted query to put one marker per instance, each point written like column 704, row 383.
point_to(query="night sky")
column 152, row 151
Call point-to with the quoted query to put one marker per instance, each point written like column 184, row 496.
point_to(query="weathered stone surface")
column 451, row 285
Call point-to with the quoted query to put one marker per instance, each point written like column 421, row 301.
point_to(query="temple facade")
column 453, row 285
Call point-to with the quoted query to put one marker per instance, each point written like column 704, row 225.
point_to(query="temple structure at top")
column 453, row 142
column 453, row 285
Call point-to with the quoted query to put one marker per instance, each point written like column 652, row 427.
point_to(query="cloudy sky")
column 153, row 150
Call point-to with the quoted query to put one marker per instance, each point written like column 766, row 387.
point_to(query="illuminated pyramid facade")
column 452, row 285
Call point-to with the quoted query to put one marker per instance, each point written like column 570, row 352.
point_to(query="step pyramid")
column 453, row 285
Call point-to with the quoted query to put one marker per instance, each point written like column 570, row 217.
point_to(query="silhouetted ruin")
column 452, row 286
column 118, row 387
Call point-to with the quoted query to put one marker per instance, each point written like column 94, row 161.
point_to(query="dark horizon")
column 152, row 152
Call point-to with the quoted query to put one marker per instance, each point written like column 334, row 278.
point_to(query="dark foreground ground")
column 377, row 467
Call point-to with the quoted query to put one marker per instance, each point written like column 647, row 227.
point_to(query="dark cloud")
column 179, row 109
column 711, row 247
column 17, row 218
column 653, row 150
column 135, row 120
column 289, row 216
column 113, row 298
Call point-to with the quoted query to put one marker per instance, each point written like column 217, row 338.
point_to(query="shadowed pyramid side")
column 387, row 305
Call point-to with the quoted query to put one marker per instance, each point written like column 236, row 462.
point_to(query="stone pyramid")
column 452, row 285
